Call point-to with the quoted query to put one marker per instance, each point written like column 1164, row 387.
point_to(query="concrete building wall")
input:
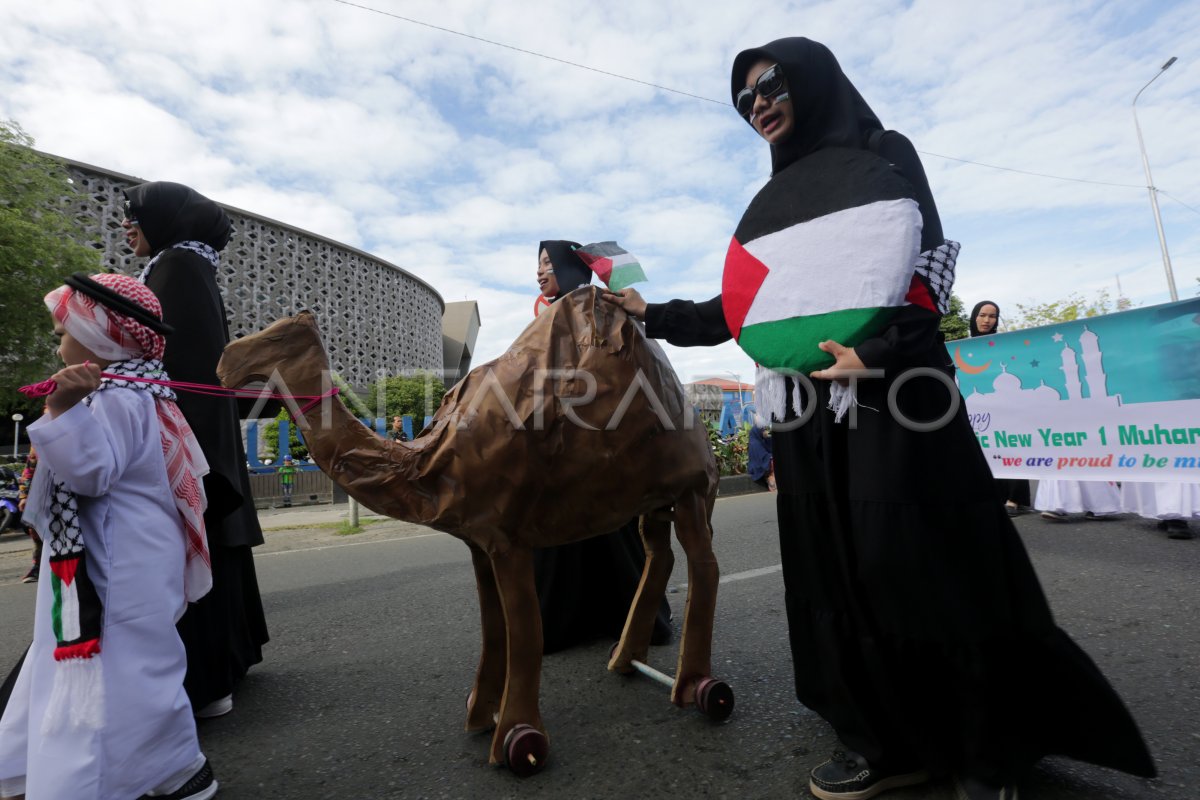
column 375, row 317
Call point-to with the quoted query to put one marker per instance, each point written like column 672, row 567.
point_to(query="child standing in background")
column 287, row 480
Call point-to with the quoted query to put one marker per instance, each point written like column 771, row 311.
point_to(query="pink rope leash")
column 47, row 387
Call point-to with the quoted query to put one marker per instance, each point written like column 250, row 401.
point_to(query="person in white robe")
column 1094, row 499
column 123, row 452
column 1170, row 504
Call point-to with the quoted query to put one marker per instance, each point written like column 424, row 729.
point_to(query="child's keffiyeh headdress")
column 118, row 319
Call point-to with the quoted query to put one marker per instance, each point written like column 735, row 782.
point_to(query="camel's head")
column 291, row 347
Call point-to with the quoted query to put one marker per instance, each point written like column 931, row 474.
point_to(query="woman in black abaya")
column 918, row 627
column 184, row 231
column 585, row 588
column 1013, row 492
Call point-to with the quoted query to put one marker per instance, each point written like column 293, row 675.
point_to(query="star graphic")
column 991, row 344
column 1034, row 363
column 1058, row 337
column 1027, row 343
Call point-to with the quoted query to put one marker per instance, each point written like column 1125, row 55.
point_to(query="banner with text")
column 1112, row 398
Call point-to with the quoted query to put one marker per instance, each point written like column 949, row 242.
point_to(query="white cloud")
column 452, row 157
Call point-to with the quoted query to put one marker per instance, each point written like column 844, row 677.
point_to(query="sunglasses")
column 129, row 215
column 769, row 83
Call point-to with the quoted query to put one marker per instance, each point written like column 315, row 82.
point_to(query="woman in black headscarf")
column 1013, row 492
column 183, row 232
column 918, row 627
column 585, row 588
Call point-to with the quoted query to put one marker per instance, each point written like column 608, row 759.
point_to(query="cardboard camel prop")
column 580, row 426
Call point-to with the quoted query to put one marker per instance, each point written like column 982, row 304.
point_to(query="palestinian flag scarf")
column 824, row 251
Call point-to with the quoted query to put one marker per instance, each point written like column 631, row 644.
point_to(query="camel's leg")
column 523, row 618
column 639, row 625
column 484, row 701
column 692, row 514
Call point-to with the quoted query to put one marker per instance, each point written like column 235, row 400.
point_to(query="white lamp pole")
column 1162, row 237
column 16, row 418
column 741, row 396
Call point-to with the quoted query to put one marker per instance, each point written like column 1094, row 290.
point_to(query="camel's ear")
column 306, row 317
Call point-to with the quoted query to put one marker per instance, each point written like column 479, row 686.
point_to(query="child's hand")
column 73, row 384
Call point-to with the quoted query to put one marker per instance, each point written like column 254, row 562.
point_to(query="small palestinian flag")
column 613, row 265
column 824, row 251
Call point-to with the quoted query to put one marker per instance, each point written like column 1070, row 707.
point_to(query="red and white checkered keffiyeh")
column 135, row 349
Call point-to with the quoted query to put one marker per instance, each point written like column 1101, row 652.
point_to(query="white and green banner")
column 1114, row 398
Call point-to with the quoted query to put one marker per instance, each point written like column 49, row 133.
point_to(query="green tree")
column 270, row 436
column 40, row 244
column 414, row 395
column 955, row 324
column 1073, row 306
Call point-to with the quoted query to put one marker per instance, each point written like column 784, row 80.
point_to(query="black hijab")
column 569, row 270
column 975, row 314
column 829, row 111
column 169, row 213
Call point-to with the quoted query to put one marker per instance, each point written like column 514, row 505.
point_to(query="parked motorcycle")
column 10, row 514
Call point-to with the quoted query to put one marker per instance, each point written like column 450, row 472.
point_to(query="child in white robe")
column 98, row 710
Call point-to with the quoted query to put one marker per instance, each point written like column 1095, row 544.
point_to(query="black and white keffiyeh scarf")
column 199, row 248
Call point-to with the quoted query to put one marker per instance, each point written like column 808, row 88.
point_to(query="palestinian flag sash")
column 824, row 251
column 614, row 265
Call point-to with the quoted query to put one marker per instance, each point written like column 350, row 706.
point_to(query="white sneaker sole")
column 892, row 782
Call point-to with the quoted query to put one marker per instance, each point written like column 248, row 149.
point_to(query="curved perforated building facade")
column 376, row 318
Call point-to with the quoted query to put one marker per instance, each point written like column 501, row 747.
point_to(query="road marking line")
column 347, row 544
column 741, row 576
column 751, row 573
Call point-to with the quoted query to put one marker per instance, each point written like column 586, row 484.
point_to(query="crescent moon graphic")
column 538, row 304
column 967, row 368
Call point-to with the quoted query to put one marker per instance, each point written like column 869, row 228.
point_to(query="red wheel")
column 525, row 750
column 714, row 698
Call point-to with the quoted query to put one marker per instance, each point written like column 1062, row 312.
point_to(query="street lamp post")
column 741, row 395
column 16, row 418
column 1162, row 238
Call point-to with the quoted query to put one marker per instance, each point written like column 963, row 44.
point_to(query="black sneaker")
column 200, row 786
column 32, row 575
column 1054, row 516
column 848, row 776
column 1178, row 529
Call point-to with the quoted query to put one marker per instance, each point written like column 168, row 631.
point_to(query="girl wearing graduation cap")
column 918, row 628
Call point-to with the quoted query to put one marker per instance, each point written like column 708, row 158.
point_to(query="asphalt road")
column 375, row 642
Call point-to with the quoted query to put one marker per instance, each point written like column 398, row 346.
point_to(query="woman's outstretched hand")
column 844, row 359
column 628, row 299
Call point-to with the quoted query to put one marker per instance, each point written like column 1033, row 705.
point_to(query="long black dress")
column 585, row 588
column 1008, row 490
column 918, row 627
column 223, row 632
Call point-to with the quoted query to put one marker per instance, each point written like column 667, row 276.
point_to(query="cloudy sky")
column 452, row 156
